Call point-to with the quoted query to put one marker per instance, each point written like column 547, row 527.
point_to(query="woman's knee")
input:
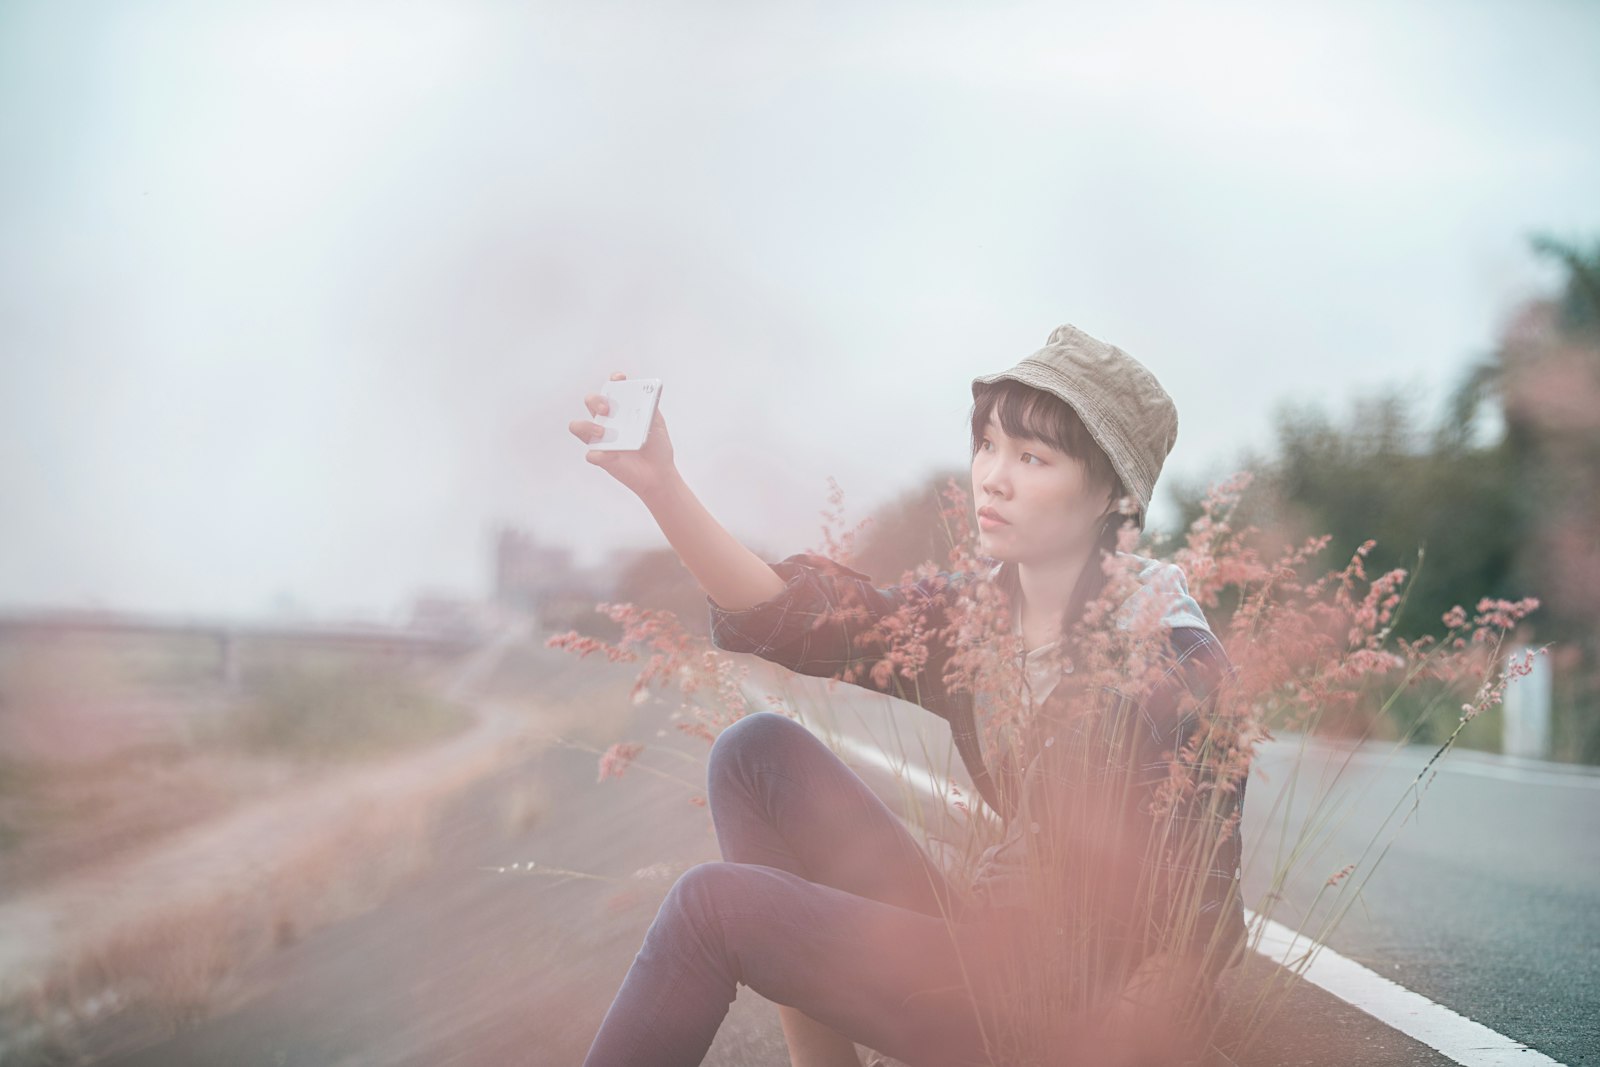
column 758, row 732
column 702, row 892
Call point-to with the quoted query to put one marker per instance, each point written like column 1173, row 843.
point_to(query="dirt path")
column 229, row 888
column 474, row 967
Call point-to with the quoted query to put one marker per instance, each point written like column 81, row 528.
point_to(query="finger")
column 617, row 376
column 585, row 431
column 597, row 404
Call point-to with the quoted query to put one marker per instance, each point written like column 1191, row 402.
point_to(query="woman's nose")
column 993, row 481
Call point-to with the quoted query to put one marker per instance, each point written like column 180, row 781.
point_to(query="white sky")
column 297, row 299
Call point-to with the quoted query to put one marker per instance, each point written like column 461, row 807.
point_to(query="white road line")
column 1447, row 1032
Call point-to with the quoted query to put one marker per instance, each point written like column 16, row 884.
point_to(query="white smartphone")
column 631, row 403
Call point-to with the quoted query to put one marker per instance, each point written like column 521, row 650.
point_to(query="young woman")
column 824, row 903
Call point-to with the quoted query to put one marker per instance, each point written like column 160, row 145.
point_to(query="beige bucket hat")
column 1120, row 402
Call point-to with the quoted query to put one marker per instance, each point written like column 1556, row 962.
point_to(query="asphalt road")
column 1488, row 899
column 1485, row 899
column 1485, row 902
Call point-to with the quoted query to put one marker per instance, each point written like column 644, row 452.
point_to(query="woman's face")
column 1049, row 507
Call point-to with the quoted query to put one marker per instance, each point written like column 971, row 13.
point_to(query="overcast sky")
column 297, row 299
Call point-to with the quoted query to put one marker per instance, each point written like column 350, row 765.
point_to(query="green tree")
column 1514, row 517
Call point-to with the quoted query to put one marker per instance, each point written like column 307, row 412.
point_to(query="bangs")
column 1026, row 412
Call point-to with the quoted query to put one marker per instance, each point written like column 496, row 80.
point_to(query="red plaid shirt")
column 819, row 625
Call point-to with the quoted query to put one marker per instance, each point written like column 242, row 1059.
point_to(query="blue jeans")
column 823, row 901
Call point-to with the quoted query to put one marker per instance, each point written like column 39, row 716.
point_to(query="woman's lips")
column 989, row 518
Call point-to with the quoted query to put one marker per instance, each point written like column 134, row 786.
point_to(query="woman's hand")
column 646, row 471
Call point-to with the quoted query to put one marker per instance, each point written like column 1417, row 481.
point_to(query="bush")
column 339, row 711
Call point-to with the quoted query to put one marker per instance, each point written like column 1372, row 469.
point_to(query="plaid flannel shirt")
column 820, row 625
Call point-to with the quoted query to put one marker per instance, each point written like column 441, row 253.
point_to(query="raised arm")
column 724, row 567
column 807, row 612
column 831, row 621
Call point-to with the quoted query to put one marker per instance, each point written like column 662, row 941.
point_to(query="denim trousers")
column 823, row 901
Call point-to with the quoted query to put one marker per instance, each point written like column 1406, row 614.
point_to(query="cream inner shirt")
column 1156, row 579
column 1039, row 676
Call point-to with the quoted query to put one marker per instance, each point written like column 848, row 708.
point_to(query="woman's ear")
column 1109, row 531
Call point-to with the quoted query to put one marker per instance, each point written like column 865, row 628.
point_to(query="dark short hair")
column 1033, row 413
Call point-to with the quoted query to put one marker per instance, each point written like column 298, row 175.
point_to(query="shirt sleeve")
column 824, row 623
column 1193, row 862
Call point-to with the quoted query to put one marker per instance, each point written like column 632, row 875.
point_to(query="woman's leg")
column 780, row 798
column 895, row 979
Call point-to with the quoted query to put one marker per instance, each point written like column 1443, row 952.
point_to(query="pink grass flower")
column 1306, row 650
column 616, row 759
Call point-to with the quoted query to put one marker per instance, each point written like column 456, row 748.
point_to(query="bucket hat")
column 1125, row 409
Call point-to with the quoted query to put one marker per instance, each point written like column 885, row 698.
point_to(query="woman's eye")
column 986, row 441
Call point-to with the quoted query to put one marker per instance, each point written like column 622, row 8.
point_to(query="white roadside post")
column 1526, row 720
